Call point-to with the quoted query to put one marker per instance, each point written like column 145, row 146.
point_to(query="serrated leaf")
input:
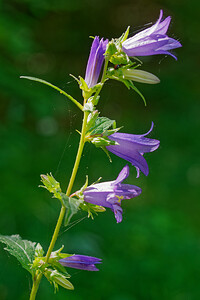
column 72, row 206
column 101, row 125
column 23, row 250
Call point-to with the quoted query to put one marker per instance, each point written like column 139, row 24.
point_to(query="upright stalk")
column 38, row 277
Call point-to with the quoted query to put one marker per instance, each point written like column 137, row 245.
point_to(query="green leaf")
column 101, row 125
column 23, row 250
column 91, row 120
column 72, row 206
column 54, row 87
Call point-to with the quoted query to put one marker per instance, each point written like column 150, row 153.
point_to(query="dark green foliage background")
column 155, row 252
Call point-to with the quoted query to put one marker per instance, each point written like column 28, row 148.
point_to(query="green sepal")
column 102, row 141
column 124, row 35
column 107, row 153
column 92, row 209
column 87, row 92
column 120, row 58
column 111, row 48
column 40, row 264
column 54, row 261
column 23, row 250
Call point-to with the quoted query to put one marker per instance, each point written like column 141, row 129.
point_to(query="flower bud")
column 140, row 76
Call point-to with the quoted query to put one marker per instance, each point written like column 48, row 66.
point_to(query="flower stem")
column 38, row 277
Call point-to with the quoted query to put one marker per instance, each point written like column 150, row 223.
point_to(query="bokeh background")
column 155, row 252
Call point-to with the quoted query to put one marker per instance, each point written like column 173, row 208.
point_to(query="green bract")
column 53, row 186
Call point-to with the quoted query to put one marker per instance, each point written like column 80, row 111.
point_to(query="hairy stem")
column 38, row 277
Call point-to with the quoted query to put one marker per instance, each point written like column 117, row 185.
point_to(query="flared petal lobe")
column 81, row 262
column 132, row 147
column 95, row 61
column 109, row 194
column 152, row 40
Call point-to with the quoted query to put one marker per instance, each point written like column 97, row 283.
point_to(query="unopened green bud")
column 58, row 278
column 139, row 76
column 50, row 183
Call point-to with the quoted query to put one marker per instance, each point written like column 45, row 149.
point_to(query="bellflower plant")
column 81, row 262
column 131, row 147
column 112, row 59
column 111, row 193
column 152, row 40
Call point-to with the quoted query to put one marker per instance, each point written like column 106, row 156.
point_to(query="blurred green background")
column 155, row 252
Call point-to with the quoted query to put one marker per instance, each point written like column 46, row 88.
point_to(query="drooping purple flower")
column 111, row 193
column 132, row 147
column 152, row 40
column 95, row 61
column 81, row 262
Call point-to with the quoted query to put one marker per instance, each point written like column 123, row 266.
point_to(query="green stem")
column 38, row 277
column 103, row 77
column 105, row 70
column 36, row 282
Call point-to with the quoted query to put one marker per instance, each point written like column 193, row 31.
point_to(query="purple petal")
column 128, row 191
column 144, row 33
column 127, row 152
column 81, row 262
column 152, row 40
column 81, row 259
column 79, row 266
column 163, row 26
column 131, row 147
column 93, row 50
column 129, row 143
column 95, row 61
column 122, row 175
